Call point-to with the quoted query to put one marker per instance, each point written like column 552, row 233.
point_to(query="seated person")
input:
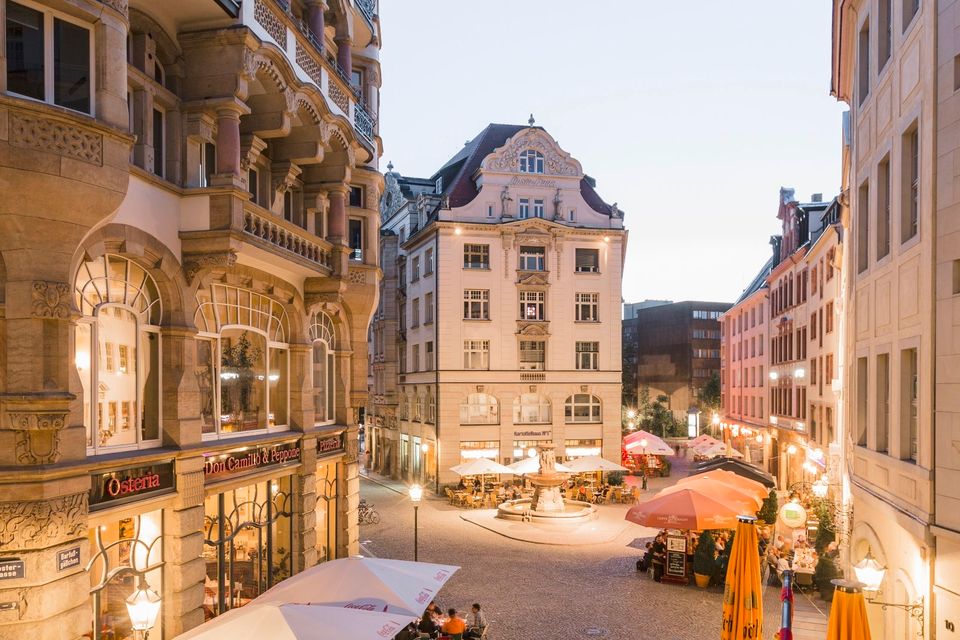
column 454, row 626
column 461, row 486
column 427, row 623
column 476, row 622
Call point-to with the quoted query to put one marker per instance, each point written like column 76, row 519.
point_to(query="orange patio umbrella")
column 732, row 479
column 683, row 509
column 746, row 502
column 742, row 593
column 848, row 614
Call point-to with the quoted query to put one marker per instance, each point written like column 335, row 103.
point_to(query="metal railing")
column 362, row 121
column 368, row 8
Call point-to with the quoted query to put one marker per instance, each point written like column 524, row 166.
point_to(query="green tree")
column 710, row 394
column 768, row 512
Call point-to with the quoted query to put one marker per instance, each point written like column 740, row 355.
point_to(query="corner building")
column 506, row 307
column 894, row 64
column 186, row 281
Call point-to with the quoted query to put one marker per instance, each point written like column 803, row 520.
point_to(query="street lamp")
column 143, row 606
column 416, row 493
column 870, row 574
column 790, row 450
column 631, row 414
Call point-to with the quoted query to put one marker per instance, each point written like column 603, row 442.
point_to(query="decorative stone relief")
column 352, row 451
column 309, row 64
column 31, row 132
column 38, row 435
column 194, row 264
column 270, row 22
column 532, row 328
column 119, row 6
column 33, row 525
column 285, row 176
column 251, row 147
column 556, row 161
column 357, row 276
column 50, row 299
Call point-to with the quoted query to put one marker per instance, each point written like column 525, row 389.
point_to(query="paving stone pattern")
column 539, row 592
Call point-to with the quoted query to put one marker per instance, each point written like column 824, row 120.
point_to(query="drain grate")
column 595, row 632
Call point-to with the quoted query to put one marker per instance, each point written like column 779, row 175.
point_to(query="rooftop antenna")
column 531, row 121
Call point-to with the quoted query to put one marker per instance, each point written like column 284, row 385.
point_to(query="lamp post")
column 143, row 606
column 870, row 574
column 416, row 493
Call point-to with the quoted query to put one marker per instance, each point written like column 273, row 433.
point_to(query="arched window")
column 531, row 408
column 242, row 361
column 480, row 408
column 324, row 362
column 117, row 353
column 582, row 407
column 531, row 161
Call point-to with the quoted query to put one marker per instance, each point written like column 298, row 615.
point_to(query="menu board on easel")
column 676, row 566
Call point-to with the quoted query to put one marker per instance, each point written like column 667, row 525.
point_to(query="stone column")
column 301, row 389
column 315, row 19
column 185, row 570
column 180, row 397
column 348, row 488
column 337, row 216
column 111, row 61
column 305, row 507
column 345, row 54
column 228, row 142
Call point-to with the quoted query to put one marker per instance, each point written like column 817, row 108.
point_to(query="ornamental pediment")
column 532, row 278
column 533, row 327
column 556, row 161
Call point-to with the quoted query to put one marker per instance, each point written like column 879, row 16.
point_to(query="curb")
column 382, row 484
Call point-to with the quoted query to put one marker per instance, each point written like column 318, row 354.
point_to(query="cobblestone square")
column 545, row 592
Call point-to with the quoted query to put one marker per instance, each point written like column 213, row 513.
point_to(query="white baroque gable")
column 556, row 161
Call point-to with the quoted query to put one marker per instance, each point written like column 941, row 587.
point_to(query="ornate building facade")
column 186, row 281
column 506, row 305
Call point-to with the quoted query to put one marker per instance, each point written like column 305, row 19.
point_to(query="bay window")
column 243, row 363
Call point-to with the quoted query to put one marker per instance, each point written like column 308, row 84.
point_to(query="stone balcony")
column 257, row 234
column 271, row 21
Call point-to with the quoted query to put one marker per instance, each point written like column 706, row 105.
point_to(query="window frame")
column 481, row 300
column 589, row 301
column 587, row 355
column 537, row 302
column 49, row 72
column 535, row 253
column 530, row 161
column 528, row 364
column 470, row 251
column 476, row 352
column 572, row 403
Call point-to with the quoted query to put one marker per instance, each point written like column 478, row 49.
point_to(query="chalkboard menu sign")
column 676, row 566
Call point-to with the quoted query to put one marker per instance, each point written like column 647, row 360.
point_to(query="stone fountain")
column 547, row 505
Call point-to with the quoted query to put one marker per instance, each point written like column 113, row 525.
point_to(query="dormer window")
column 439, row 185
column 531, row 161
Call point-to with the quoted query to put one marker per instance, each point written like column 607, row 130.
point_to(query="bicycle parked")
column 367, row 514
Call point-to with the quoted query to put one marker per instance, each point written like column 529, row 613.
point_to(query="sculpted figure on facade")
column 505, row 201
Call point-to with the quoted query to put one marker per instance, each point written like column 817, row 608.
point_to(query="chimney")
column 775, row 246
column 817, row 197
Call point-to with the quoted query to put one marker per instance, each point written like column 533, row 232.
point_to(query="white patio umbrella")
column 703, row 438
column 479, row 467
column 655, row 445
column 279, row 621
column 373, row 584
column 592, row 463
column 716, row 449
column 532, row 465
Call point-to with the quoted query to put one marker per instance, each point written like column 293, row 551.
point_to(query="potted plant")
column 703, row 563
column 825, row 571
column 615, row 478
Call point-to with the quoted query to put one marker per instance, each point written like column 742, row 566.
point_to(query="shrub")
column 615, row 478
column 768, row 512
column 703, row 562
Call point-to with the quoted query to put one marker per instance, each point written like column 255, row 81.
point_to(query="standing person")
column 476, row 622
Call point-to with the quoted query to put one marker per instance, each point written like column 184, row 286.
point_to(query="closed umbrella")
column 729, row 478
column 592, row 463
column 279, row 621
column 742, row 593
column 374, row 584
column 848, row 613
column 750, row 502
column 532, row 465
column 683, row 509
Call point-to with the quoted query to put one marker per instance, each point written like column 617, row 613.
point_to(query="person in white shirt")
column 476, row 622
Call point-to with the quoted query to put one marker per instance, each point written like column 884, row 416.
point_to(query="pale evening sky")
column 690, row 115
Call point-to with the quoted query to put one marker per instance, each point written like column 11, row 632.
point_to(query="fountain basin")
column 574, row 511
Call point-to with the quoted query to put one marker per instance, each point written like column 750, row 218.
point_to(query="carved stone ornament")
column 37, row 435
column 285, row 175
column 533, row 279
column 120, row 6
column 357, row 276
column 44, row 523
column 196, row 263
column 556, row 161
column 51, row 136
column 352, row 451
column 50, row 300
column 251, row 147
column 532, row 328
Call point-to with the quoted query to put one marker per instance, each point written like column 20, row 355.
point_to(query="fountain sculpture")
column 547, row 504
